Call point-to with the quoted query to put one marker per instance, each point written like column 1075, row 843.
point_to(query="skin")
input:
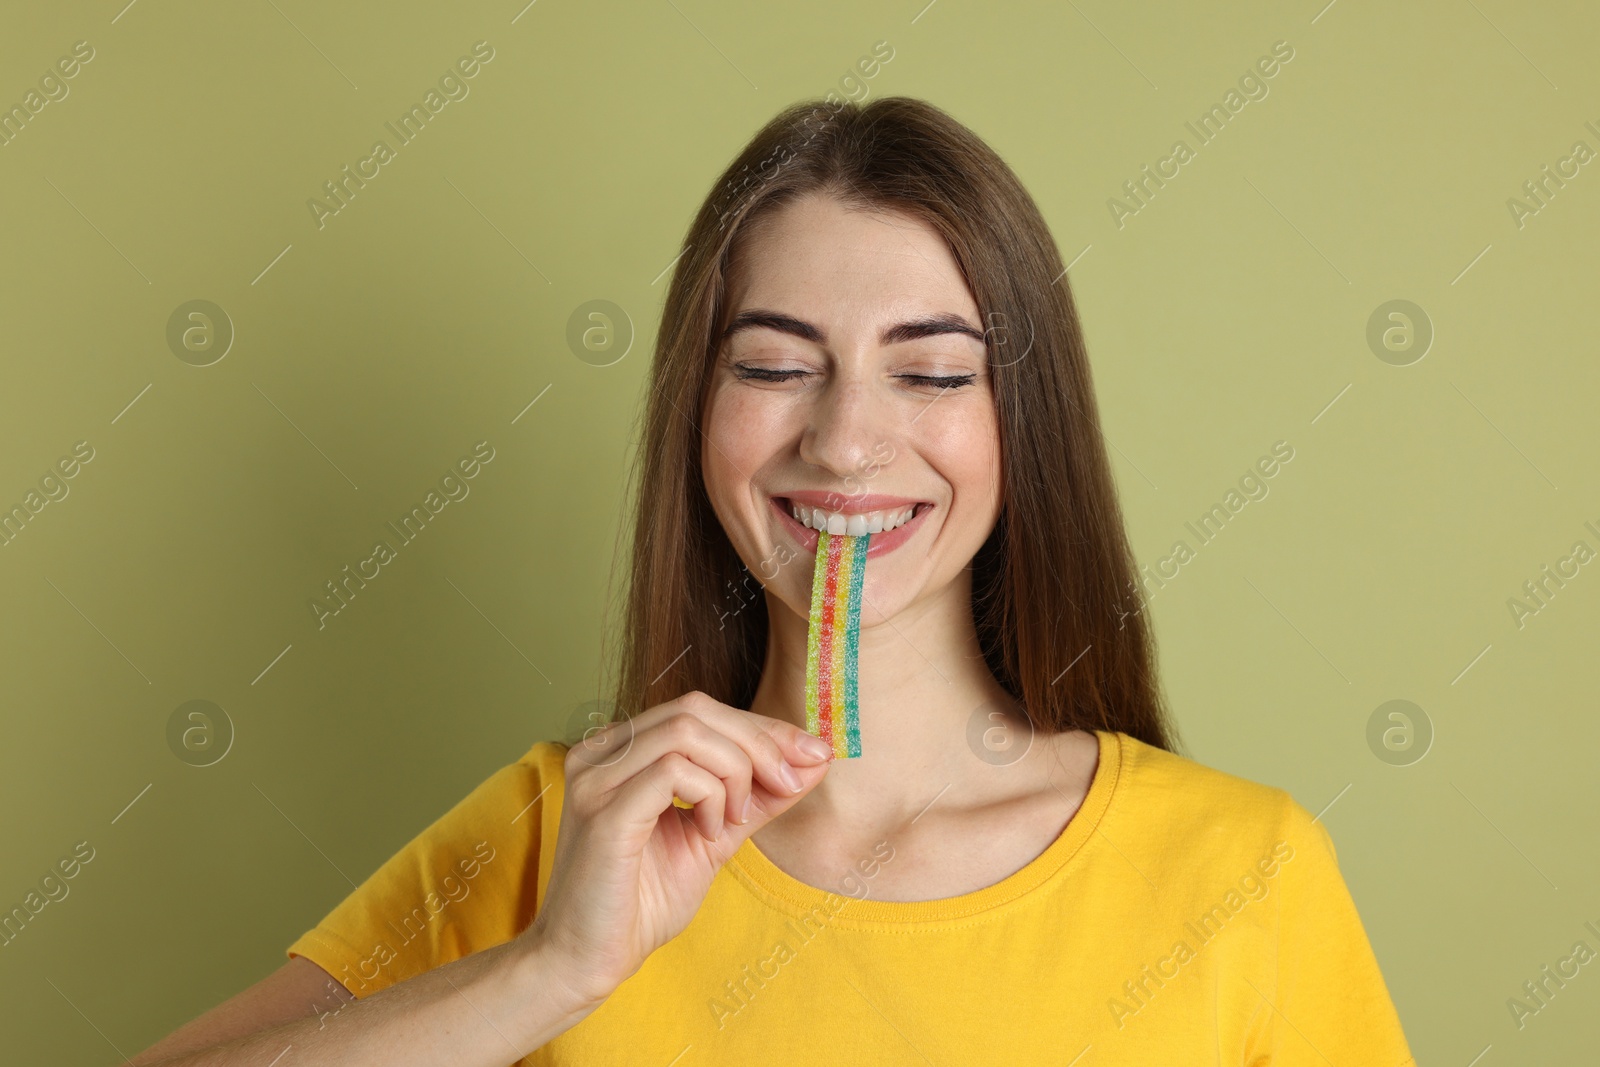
column 851, row 273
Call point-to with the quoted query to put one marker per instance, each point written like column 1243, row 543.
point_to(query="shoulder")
column 469, row 880
column 538, row 775
column 546, row 760
column 512, row 791
column 1206, row 809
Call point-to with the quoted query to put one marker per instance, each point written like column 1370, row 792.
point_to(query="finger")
column 766, row 756
column 771, row 743
column 690, row 737
column 800, row 747
column 638, row 803
column 794, row 744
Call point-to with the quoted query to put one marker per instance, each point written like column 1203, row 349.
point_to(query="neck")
column 922, row 678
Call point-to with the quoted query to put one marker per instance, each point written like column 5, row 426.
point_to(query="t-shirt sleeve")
column 468, row 882
column 1329, row 1004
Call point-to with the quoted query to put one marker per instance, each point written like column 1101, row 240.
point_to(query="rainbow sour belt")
column 831, row 643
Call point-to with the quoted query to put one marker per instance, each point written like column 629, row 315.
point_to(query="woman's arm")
column 490, row 1009
column 630, row 869
column 285, row 995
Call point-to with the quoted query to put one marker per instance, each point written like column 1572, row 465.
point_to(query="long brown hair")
column 1055, row 599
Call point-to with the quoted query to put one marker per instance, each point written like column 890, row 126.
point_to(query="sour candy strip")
column 833, row 641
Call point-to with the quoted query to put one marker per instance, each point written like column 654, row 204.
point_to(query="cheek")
column 965, row 448
column 720, row 475
column 739, row 434
column 727, row 420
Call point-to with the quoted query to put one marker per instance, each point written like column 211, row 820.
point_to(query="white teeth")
column 855, row 524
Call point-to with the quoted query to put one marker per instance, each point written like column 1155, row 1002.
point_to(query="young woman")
column 869, row 328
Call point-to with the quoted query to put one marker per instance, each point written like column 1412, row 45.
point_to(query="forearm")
column 488, row 1009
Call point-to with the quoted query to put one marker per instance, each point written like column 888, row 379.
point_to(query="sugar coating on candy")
column 833, row 641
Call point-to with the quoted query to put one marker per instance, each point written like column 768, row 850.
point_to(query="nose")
column 846, row 429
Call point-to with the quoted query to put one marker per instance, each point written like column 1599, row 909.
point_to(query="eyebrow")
column 911, row 330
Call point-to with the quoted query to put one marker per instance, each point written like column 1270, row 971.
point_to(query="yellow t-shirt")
column 1184, row 916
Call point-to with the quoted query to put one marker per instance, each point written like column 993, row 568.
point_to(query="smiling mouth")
column 848, row 522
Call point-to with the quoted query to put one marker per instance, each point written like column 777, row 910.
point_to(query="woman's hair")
column 1051, row 586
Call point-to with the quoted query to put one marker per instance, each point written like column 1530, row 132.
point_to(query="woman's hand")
column 631, row 868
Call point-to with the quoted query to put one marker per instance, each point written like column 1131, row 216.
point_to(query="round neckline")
column 788, row 894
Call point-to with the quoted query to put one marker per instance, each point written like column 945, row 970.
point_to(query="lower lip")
column 880, row 543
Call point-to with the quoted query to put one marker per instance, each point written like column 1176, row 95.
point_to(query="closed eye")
column 953, row 381
column 764, row 374
column 933, row 381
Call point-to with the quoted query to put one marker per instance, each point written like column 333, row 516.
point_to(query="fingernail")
column 744, row 810
column 812, row 745
column 790, row 778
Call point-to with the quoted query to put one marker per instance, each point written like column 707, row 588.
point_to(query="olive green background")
column 371, row 354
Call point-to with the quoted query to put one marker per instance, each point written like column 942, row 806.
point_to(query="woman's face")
column 852, row 384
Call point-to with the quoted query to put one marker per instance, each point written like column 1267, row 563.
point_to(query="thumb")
column 766, row 805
